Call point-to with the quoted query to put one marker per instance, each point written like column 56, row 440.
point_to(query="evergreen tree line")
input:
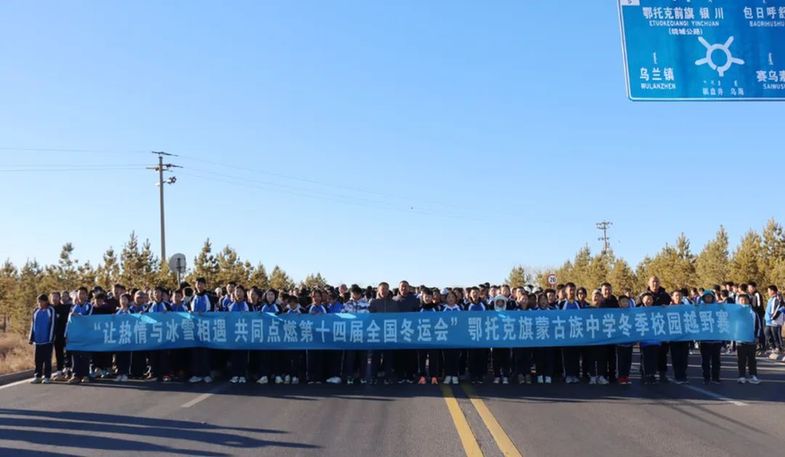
column 134, row 266
column 759, row 257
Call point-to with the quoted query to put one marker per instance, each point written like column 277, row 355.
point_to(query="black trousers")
column 572, row 360
column 680, row 356
column 315, row 362
column 239, row 363
column 81, row 363
column 501, row 362
column 649, row 357
column 451, row 362
column 383, row 361
column 710, row 360
column 123, row 362
column 599, row 363
column 138, row 364
column 159, row 364
column 478, row 363
column 624, row 354
column 662, row 359
column 200, row 362
column 544, row 361
column 745, row 353
column 522, row 358
column 355, row 364
column 60, row 356
column 295, row 364
column 43, row 360
column 429, row 362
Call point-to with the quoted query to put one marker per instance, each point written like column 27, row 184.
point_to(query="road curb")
column 13, row 377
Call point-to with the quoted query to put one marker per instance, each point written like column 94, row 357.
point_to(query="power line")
column 161, row 167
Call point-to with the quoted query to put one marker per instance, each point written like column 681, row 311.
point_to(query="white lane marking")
column 196, row 400
column 24, row 381
column 716, row 396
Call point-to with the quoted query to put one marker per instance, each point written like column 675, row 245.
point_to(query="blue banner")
column 704, row 49
column 255, row 330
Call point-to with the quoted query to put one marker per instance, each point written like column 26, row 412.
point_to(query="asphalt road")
column 145, row 418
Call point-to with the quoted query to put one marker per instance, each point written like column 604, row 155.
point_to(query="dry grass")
column 15, row 353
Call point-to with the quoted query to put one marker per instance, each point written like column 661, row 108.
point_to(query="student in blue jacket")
column 649, row 349
column 81, row 360
column 270, row 361
column 42, row 334
column 451, row 356
column 239, row 357
column 200, row 357
column 138, row 358
column 710, row 350
column 159, row 359
column 624, row 351
column 478, row 358
column 123, row 359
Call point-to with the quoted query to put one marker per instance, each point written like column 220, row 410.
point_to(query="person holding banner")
column 200, row 357
column 123, row 358
column 710, row 350
column 239, row 357
column 81, row 360
column 159, row 360
column 680, row 350
column 451, row 356
column 357, row 304
column 572, row 354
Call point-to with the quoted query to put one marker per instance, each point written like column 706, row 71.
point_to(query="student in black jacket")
column 62, row 311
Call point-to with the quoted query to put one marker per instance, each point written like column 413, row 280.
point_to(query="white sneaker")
column 505, row 380
column 602, row 381
column 195, row 379
column 753, row 380
column 497, row 380
column 528, row 379
column 350, row 381
column 540, row 380
column 571, row 380
column 287, row 379
column 57, row 375
column 36, row 381
column 208, row 379
column 241, row 380
column 447, row 379
column 46, row 381
column 334, row 380
column 295, row 380
column 742, row 380
column 263, row 380
column 773, row 356
column 278, row 380
column 455, row 380
column 234, row 380
column 548, row 380
column 593, row 380
column 521, row 379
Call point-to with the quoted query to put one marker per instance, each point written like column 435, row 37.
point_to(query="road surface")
column 149, row 419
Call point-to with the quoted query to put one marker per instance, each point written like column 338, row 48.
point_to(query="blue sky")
column 443, row 142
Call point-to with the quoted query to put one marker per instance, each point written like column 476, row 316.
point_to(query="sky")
column 443, row 142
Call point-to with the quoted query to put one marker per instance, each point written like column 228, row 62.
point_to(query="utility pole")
column 603, row 226
column 160, row 168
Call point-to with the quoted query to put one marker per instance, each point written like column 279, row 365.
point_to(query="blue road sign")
column 704, row 49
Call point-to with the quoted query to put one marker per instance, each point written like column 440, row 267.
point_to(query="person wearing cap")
column 710, row 350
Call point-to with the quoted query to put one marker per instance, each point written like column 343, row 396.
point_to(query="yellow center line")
column 468, row 440
column 503, row 441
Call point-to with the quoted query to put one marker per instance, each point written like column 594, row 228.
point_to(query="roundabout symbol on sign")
column 724, row 48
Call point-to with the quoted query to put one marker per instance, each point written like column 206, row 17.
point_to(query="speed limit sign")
column 552, row 279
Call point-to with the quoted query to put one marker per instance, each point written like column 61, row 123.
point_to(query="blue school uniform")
column 81, row 360
column 42, row 335
column 201, row 304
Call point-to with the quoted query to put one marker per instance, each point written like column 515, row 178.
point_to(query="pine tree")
column 205, row 265
column 9, row 281
column 517, row 277
column 772, row 252
column 230, row 268
column 621, row 276
column 67, row 268
column 280, row 280
column 259, row 277
column 712, row 263
column 746, row 259
column 109, row 271
column 313, row 281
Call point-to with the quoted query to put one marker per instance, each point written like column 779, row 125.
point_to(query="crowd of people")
column 601, row 364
